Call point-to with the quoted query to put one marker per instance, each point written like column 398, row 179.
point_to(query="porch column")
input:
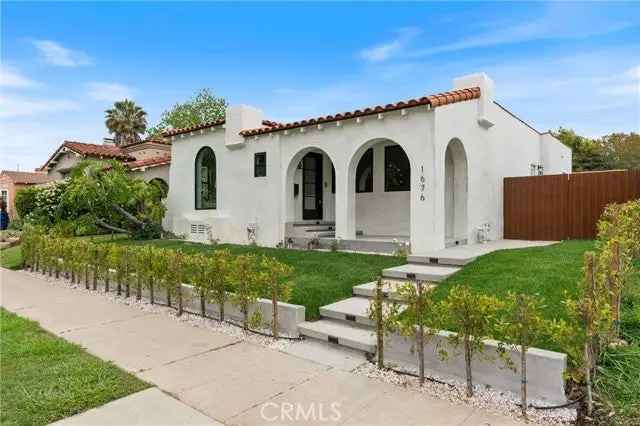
column 427, row 203
column 345, row 205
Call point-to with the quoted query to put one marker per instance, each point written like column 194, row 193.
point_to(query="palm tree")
column 126, row 121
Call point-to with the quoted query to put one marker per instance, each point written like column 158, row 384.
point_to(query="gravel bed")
column 186, row 317
column 491, row 400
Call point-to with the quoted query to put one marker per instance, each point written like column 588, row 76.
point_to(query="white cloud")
column 56, row 54
column 18, row 106
column 111, row 92
column 11, row 77
column 384, row 51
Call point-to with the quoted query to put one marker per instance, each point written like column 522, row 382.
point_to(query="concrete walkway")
column 214, row 375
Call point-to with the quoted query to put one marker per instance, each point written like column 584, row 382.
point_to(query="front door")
column 312, row 186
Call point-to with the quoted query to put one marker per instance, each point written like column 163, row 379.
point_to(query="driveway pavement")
column 211, row 376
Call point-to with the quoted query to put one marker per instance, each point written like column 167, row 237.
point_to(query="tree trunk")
column 467, row 363
column 587, row 375
column 379, row 330
column 179, row 288
column 523, row 384
column 245, row 314
column 138, row 287
column 152, row 297
column 86, row 277
column 127, row 289
column 420, row 332
column 274, row 307
column 57, row 271
column 106, row 283
column 222, row 308
column 119, row 286
column 203, row 304
column 73, row 276
column 168, row 296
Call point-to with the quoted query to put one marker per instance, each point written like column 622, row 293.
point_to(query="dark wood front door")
column 312, row 186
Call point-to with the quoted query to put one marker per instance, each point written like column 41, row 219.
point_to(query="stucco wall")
column 506, row 148
column 64, row 164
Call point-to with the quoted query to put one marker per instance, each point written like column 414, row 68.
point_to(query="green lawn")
column 320, row 277
column 44, row 378
column 551, row 272
column 11, row 258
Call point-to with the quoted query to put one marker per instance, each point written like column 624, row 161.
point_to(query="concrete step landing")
column 389, row 288
column 431, row 273
column 352, row 310
column 340, row 333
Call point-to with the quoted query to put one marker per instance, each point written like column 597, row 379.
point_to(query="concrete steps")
column 431, row 273
column 389, row 288
column 352, row 310
column 340, row 333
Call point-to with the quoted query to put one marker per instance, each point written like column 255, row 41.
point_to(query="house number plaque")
column 423, row 184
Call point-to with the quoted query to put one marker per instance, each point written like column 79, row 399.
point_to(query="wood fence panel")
column 558, row 207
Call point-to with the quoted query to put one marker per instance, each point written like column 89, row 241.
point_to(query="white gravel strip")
column 186, row 317
column 491, row 400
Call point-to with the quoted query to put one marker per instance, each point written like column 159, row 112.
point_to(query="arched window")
column 205, row 179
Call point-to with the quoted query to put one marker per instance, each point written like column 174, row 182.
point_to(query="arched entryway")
column 310, row 194
column 379, row 179
column 455, row 193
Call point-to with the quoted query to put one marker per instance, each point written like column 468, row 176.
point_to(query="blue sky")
column 62, row 64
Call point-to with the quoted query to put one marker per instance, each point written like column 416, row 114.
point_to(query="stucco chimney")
column 485, row 84
column 241, row 117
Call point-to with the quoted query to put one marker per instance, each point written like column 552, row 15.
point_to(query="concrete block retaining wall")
column 289, row 315
column 544, row 368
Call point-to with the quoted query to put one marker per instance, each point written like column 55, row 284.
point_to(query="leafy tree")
column 274, row 276
column 244, row 276
column 105, row 194
column 218, row 273
column 173, row 276
column 202, row 108
column 25, row 200
column 126, row 121
column 621, row 150
column 385, row 316
column 587, row 153
column 522, row 324
column 472, row 316
column 418, row 318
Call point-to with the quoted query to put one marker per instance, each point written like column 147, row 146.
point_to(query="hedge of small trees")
column 216, row 278
column 594, row 315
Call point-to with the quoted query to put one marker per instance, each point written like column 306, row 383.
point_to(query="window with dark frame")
column 397, row 171
column 260, row 164
column 364, row 172
column 205, row 176
column 333, row 179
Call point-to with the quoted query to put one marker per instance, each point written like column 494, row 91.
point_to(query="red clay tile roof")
column 90, row 150
column 436, row 100
column 160, row 160
column 174, row 132
column 94, row 150
column 27, row 178
column 148, row 140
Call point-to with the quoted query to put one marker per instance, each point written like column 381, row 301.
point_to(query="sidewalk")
column 229, row 380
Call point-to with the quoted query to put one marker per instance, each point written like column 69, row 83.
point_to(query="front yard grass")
column 11, row 258
column 320, row 277
column 551, row 272
column 44, row 378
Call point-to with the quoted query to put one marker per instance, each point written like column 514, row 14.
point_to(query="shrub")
column 274, row 278
column 246, row 291
column 25, row 200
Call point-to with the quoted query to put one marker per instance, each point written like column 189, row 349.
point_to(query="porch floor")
column 463, row 254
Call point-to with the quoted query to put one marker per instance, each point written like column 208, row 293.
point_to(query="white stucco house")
column 428, row 171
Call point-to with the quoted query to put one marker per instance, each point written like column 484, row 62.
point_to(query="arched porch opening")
column 455, row 193
column 379, row 191
column 310, row 195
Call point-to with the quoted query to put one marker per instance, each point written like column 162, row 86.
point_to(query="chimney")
column 238, row 118
column 485, row 102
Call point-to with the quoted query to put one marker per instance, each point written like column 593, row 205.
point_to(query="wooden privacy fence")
column 560, row 207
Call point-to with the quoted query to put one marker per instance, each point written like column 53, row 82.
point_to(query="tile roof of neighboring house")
column 148, row 140
column 174, row 132
column 90, row 150
column 160, row 160
column 436, row 100
column 27, row 178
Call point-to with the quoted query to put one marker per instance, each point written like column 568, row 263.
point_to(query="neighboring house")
column 427, row 170
column 12, row 181
column 148, row 159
